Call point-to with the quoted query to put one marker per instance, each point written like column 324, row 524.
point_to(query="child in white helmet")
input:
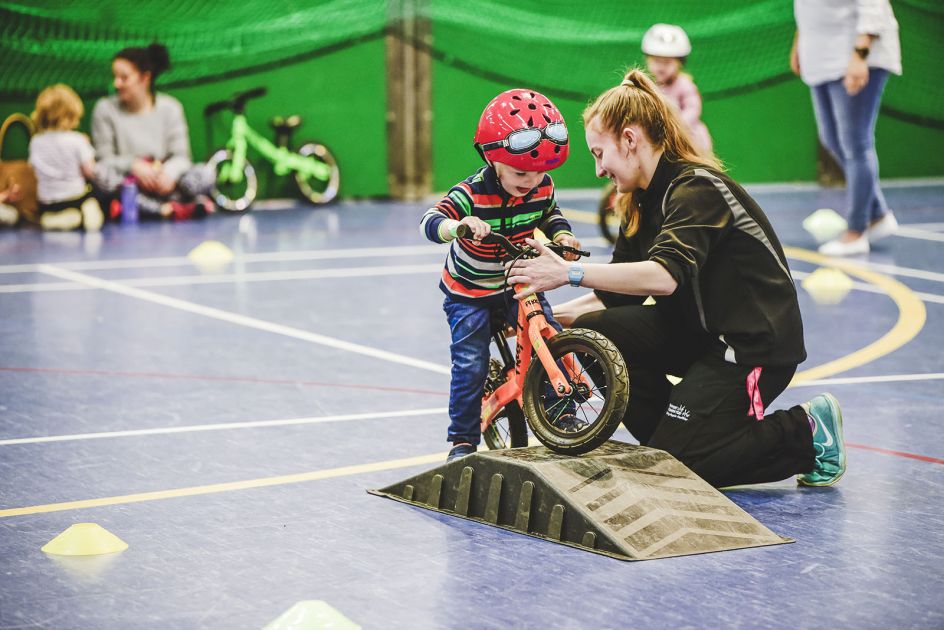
column 666, row 46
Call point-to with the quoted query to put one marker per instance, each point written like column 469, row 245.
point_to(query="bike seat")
column 286, row 123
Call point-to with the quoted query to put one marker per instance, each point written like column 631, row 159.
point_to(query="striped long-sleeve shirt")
column 475, row 271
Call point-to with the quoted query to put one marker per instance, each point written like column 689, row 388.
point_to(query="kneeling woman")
column 725, row 319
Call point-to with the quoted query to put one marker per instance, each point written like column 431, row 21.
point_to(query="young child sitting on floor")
column 64, row 161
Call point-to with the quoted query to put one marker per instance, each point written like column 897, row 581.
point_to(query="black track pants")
column 703, row 421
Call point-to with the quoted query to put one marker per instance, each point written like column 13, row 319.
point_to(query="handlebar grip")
column 461, row 231
column 212, row 108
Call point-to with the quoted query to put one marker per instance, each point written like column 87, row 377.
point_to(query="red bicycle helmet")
column 523, row 129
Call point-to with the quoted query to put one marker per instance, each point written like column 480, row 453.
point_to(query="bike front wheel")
column 235, row 194
column 314, row 188
column 582, row 420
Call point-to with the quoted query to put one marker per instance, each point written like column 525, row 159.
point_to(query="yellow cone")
column 311, row 614
column 827, row 285
column 824, row 224
column 211, row 254
column 85, row 539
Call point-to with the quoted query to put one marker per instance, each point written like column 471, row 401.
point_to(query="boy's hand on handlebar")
column 547, row 271
column 479, row 227
column 568, row 240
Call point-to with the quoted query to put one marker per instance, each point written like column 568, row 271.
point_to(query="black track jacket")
column 733, row 280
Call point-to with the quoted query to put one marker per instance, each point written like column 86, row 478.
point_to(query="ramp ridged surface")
column 629, row 502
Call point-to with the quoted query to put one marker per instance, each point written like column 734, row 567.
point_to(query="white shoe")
column 92, row 215
column 838, row 247
column 63, row 220
column 886, row 226
column 8, row 214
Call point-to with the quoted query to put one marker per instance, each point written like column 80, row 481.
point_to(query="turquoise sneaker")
column 827, row 441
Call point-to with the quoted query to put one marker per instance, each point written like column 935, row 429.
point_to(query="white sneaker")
column 837, row 247
column 886, row 226
column 92, row 215
column 8, row 214
column 64, row 220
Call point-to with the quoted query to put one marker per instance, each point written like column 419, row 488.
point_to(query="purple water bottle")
column 129, row 200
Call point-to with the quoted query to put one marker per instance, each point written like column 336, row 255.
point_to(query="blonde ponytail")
column 637, row 101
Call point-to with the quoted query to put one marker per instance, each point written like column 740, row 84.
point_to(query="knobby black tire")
column 222, row 195
column 610, row 368
column 313, row 190
column 510, row 421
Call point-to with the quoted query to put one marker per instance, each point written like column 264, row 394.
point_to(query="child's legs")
column 470, row 326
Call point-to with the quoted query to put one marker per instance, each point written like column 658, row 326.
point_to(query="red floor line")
column 887, row 451
column 200, row 377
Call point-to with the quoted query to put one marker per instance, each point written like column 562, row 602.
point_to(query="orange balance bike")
column 573, row 396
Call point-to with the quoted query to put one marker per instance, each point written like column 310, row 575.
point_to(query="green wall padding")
column 325, row 59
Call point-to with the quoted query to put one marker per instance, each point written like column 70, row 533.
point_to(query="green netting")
column 568, row 48
column 48, row 41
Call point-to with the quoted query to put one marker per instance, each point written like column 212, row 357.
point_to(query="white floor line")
column 856, row 380
column 864, row 286
column 225, row 426
column 895, row 270
column 924, row 235
column 289, row 256
column 242, row 320
column 253, row 276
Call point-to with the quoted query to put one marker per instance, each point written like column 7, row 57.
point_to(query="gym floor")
column 225, row 420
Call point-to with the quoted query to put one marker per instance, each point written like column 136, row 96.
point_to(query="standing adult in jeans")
column 844, row 50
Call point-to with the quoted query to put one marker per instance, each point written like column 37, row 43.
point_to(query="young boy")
column 521, row 135
column 63, row 160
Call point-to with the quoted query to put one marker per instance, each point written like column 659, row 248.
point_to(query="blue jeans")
column 470, row 323
column 847, row 129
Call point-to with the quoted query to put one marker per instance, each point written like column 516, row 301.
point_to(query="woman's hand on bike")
column 568, row 240
column 480, row 228
column 545, row 272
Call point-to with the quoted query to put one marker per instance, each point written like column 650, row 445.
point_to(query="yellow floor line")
column 911, row 317
column 911, row 310
column 247, row 484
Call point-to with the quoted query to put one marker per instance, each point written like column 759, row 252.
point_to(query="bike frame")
column 532, row 332
column 283, row 160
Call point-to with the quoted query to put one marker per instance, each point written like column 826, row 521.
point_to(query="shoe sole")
column 840, row 441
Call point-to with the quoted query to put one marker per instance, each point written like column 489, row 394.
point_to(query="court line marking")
column 224, row 426
column 211, row 377
column 911, row 317
column 190, row 491
column 857, row 380
column 868, row 288
column 263, row 482
column 924, row 235
column 888, row 451
column 911, row 311
column 242, row 320
column 250, row 276
column 256, row 257
column 903, row 331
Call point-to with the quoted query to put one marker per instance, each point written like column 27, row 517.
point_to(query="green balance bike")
column 313, row 165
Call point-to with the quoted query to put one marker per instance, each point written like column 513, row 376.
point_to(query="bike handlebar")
column 514, row 251
column 237, row 103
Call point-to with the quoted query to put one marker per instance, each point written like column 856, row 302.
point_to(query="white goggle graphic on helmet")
column 523, row 140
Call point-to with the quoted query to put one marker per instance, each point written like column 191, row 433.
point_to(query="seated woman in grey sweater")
column 143, row 133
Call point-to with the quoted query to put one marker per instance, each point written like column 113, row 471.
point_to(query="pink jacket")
column 684, row 95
